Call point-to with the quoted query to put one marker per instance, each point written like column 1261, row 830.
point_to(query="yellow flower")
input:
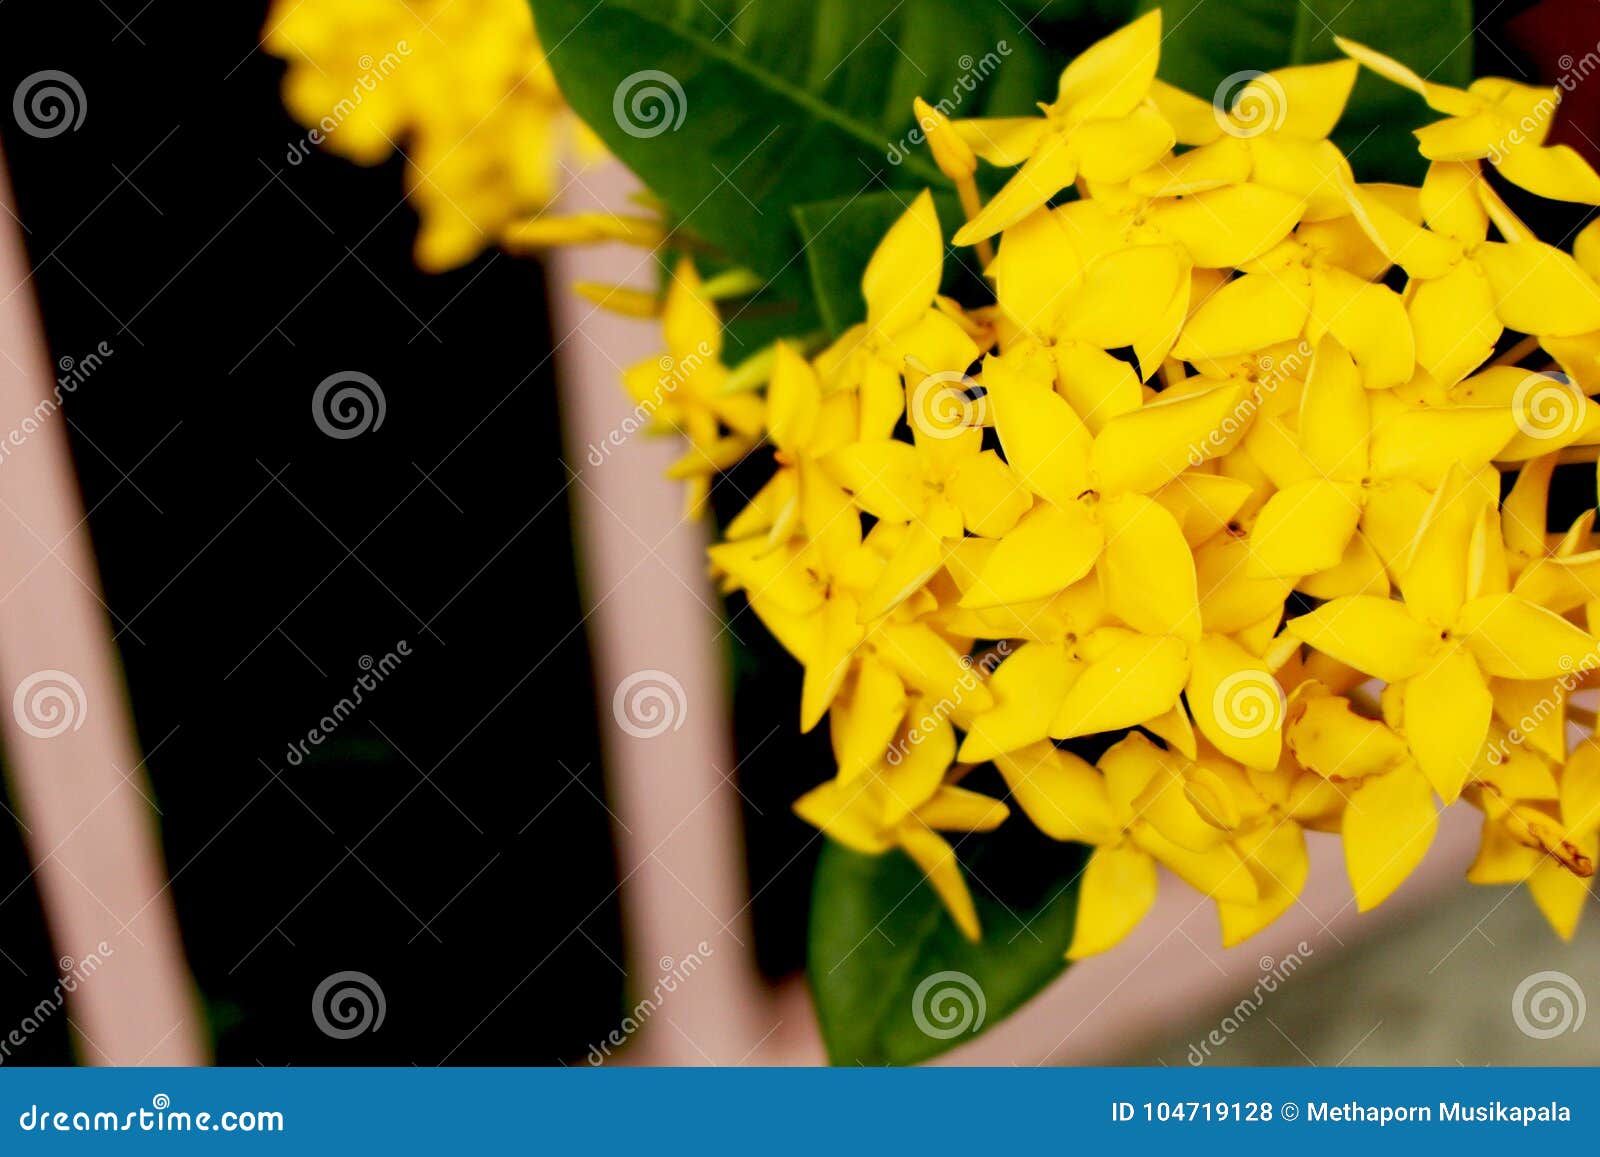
column 1095, row 509
column 685, row 389
column 1458, row 627
column 1345, row 470
column 1136, row 809
column 1497, row 119
column 904, row 325
column 460, row 86
column 1100, row 126
column 901, row 800
column 1548, row 842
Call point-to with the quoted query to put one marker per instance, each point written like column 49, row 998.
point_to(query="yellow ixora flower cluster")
column 460, row 86
column 1218, row 472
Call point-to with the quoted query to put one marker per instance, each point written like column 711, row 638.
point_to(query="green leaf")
column 839, row 237
column 1207, row 43
column 762, row 105
column 894, row 980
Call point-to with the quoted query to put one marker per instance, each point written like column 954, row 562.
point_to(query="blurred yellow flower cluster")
column 460, row 87
column 1212, row 489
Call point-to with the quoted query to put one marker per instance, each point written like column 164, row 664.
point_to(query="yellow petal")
column 1422, row 444
column 828, row 665
column 1051, row 168
column 1378, row 636
column 930, row 665
column 1244, row 315
column 1125, row 295
column 1044, row 440
column 1369, row 320
column 1277, row 857
column 989, row 494
column 1454, row 322
column 1064, row 797
column 1028, row 688
column 1556, row 173
column 886, row 478
column 1447, row 712
column 1194, row 120
column 1330, row 739
column 1403, row 241
column 1560, row 895
column 1097, row 385
column 1002, row 140
column 1441, row 98
column 1147, row 573
column 920, row 554
column 1111, row 151
column 1214, row 166
column 1460, row 138
column 1388, row 825
column 1313, row 96
column 939, row 865
column 955, row 809
column 1117, row 888
column 1450, row 204
column 1143, row 450
column 1516, row 639
column 1111, row 76
column 794, row 400
column 1138, row 679
column 1305, row 528
column 1219, row 872
column 903, row 275
column 689, row 321
column 1236, row 702
column 1229, row 226
column 845, row 812
column 1539, row 289
column 866, row 717
column 1038, row 266
column 1051, row 548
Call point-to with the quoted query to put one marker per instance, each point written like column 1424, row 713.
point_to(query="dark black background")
column 250, row 561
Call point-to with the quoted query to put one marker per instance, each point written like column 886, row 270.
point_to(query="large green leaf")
column 1207, row 43
column 763, row 105
column 894, row 980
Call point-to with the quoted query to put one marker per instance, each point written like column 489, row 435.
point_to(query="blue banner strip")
column 712, row 1112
